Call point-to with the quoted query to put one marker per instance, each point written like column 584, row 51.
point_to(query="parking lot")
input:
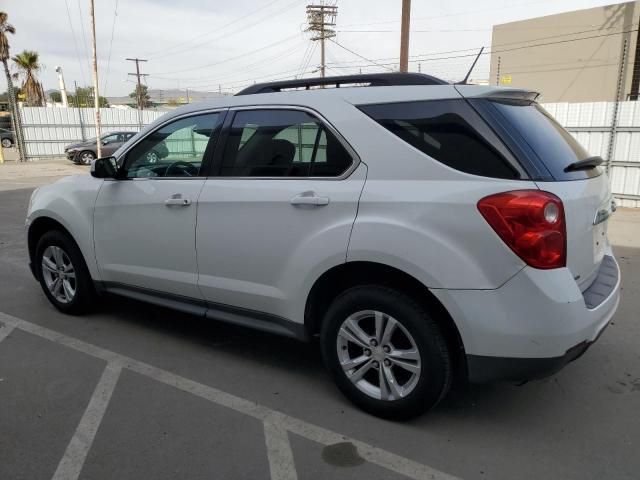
column 136, row 391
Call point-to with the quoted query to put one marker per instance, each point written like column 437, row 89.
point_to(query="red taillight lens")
column 531, row 223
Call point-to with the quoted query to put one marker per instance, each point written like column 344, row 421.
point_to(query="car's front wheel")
column 63, row 274
column 385, row 352
column 87, row 157
column 6, row 142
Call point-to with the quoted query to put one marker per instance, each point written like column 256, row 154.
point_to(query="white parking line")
column 279, row 452
column 275, row 422
column 5, row 330
column 76, row 453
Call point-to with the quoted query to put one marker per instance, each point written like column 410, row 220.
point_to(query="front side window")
column 110, row 139
column 174, row 150
column 449, row 131
column 282, row 143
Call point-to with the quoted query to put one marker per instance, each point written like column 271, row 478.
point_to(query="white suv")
column 422, row 230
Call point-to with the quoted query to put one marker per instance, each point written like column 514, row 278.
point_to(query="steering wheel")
column 186, row 169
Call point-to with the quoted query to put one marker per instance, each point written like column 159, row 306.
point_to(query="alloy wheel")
column 59, row 274
column 6, row 143
column 87, row 157
column 378, row 355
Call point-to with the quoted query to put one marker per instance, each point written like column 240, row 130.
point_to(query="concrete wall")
column 555, row 56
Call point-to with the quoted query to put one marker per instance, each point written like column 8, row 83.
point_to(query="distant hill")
column 165, row 96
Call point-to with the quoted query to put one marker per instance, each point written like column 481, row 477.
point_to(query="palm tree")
column 6, row 28
column 28, row 65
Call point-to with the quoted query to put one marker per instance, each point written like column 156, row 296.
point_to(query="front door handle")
column 309, row 198
column 177, row 200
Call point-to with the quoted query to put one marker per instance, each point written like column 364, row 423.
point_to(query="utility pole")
column 63, row 89
column 321, row 19
column 96, row 95
column 404, row 35
column 139, row 98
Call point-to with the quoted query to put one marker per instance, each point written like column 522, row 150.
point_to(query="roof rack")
column 371, row 79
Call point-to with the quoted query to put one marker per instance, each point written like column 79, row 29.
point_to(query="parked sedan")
column 85, row 152
column 7, row 138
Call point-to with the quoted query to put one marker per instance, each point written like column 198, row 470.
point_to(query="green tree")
column 84, row 98
column 141, row 92
column 28, row 65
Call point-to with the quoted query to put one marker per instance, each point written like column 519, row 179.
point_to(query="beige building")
column 571, row 57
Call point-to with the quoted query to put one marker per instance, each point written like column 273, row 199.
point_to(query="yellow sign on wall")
column 505, row 80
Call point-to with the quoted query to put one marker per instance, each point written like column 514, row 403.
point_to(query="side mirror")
column 105, row 167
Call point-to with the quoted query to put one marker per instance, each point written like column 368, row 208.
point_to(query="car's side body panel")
column 258, row 251
column 142, row 241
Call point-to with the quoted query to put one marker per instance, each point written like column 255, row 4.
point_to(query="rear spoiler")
column 483, row 91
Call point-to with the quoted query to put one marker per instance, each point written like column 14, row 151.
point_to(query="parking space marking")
column 71, row 464
column 279, row 452
column 5, row 330
column 378, row 456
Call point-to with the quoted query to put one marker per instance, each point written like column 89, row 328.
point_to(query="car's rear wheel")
column 6, row 142
column 86, row 157
column 385, row 352
column 63, row 274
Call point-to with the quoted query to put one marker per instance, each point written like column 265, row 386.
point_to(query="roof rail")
column 371, row 79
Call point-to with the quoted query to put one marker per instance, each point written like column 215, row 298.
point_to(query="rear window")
column 449, row 131
column 550, row 144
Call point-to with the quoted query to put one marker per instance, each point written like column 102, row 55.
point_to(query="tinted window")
column 553, row 146
column 282, row 143
column 174, row 150
column 449, row 131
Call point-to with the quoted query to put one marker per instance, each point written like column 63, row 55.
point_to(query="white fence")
column 592, row 125
column 48, row 130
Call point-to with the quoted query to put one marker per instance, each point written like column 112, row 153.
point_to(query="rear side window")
column 547, row 140
column 449, row 131
column 282, row 143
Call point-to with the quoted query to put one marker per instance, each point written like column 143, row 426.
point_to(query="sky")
column 212, row 45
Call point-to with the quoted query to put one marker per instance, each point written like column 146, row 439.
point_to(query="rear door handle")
column 309, row 198
column 177, row 200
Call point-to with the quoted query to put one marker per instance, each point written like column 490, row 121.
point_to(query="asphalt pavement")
column 134, row 391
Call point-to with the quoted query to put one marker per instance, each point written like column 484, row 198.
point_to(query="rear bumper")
column 534, row 324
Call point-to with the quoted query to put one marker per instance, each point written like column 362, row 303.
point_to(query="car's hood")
column 75, row 145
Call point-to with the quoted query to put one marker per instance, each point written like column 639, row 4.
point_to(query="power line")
column 217, row 29
column 208, row 79
column 228, row 34
column 456, row 14
column 419, row 58
column 230, row 58
column 113, row 28
column 75, row 42
column 84, row 36
column 499, row 45
column 358, row 55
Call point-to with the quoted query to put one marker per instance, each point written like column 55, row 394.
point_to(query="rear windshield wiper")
column 586, row 164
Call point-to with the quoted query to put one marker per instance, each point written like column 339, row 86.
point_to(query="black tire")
column 7, row 143
column 85, row 294
column 436, row 375
column 86, row 157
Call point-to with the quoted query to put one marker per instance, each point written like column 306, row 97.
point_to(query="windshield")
column 554, row 147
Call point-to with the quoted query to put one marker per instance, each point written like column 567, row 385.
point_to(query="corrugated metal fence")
column 592, row 125
column 48, row 130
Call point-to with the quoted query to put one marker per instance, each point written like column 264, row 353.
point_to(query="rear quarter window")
column 547, row 143
column 449, row 131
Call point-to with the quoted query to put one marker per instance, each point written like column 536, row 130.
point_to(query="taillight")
column 531, row 223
